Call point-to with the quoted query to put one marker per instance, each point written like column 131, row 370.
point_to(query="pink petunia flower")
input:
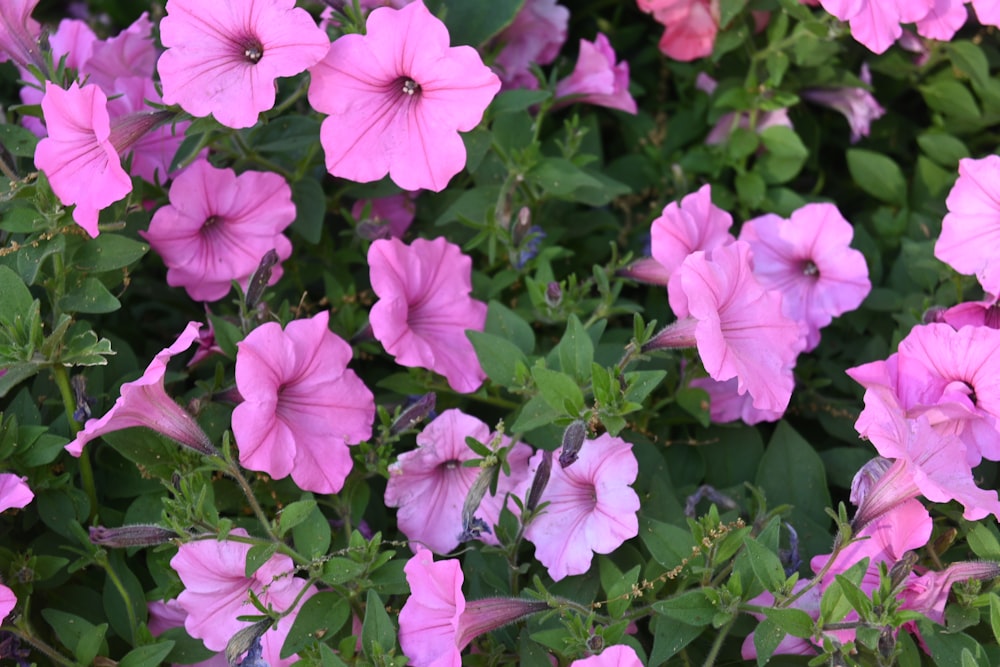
column 691, row 26
column 14, row 491
column 216, row 593
column 436, row 622
column 858, row 106
column 974, row 313
column 429, row 485
column 7, row 601
column 693, row 224
column 596, row 79
column 218, row 226
column 726, row 404
column 223, row 57
column 130, row 53
column 719, row 134
column 736, row 324
column 987, row 12
column 591, row 507
column 970, row 232
column 619, row 655
column 144, row 402
column 534, row 37
column 808, row 258
column 387, row 216
column 19, row 34
column 302, row 406
column 397, row 98
column 876, row 23
column 424, row 308
column 169, row 614
column 943, row 19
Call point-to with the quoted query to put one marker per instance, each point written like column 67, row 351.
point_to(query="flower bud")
column 553, row 294
column 137, row 535
column 412, row 414
column 260, row 278
column 572, row 441
column 540, row 481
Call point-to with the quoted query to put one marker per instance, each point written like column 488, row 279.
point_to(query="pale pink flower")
column 591, row 507
column 951, row 377
column 216, row 593
column 695, row 223
column 597, row 79
column 728, row 122
column 691, row 26
column 302, row 406
column 736, row 324
column 943, row 19
column 970, row 232
column 436, row 622
column 727, row 404
column 646, row 270
column 534, row 37
column 397, row 98
column 975, row 314
column 987, row 12
column 858, row 106
column 429, row 484
column 169, row 614
column 130, row 53
column 387, row 216
column 223, row 57
column 19, row 34
column 876, row 23
column 424, row 308
column 218, row 226
column 7, row 601
column 14, row 491
column 144, row 402
column 808, row 258
column 619, row 655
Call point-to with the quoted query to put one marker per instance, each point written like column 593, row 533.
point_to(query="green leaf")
column 258, row 555
column 561, row 178
column 641, row 384
column 784, row 155
column 16, row 301
column 89, row 296
column 766, row 638
column 750, row 189
column 944, row 149
column 691, row 607
column 63, row 510
column 150, row 655
column 696, row 402
column 793, row 621
column 877, row 175
column 21, row 219
column 473, row 23
column 83, row 348
column 946, row 649
column 227, row 334
column 995, row 616
column 503, row 322
column 983, row 542
column 294, row 514
column 952, row 98
column 518, row 100
column 31, row 256
column 17, row 140
column 616, row 586
column 559, row 390
column 108, row 252
column 668, row 544
column 730, row 9
column 497, row 356
column 321, row 615
column 312, row 534
column 670, row 637
column 765, row 564
column 310, row 209
column 378, row 634
column 856, row 597
column 288, row 135
column 78, row 635
column 536, row 413
column 339, row 570
column 575, row 351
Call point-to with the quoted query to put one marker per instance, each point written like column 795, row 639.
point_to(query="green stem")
column 713, row 653
column 61, row 376
column 235, row 473
column 39, row 645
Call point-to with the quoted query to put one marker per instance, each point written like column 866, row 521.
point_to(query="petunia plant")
column 436, row 332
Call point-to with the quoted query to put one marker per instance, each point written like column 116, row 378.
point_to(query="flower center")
column 410, row 87
column 450, row 465
column 210, row 222
column 992, row 319
column 810, row 269
column 253, row 50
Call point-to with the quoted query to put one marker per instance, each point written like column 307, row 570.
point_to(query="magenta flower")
column 876, row 23
column 693, row 224
column 736, row 324
column 218, row 226
column 646, row 270
column 808, row 258
column 691, row 26
column 387, row 216
column 943, row 19
column 19, row 34
column 429, row 485
column 728, row 122
column 302, row 406
column 858, row 106
column 597, row 79
column 7, row 601
column 216, row 593
column 591, row 507
column 974, row 313
column 144, row 402
column 130, row 53
column 726, row 404
column 397, row 98
column 619, row 655
column 436, row 622
column 987, row 11
column 970, row 232
column 14, row 491
column 169, row 614
column 223, row 57
column 534, row 37
column 424, row 308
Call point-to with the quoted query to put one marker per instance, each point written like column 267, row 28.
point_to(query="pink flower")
column 169, row 614
column 736, row 324
column 950, row 376
column 728, row 405
column 730, row 121
column 130, row 53
column 691, row 26
column 216, row 592
column 619, row 655
column 144, row 402
column 928, row 593
column 387, row 216
column 397, row 98
column 7, row 601
column 429, row 485
column 987, row 11
column 943, row 19
column 970, row 232
column 646, row 270
column 19, row 34
column 436, row 622
column 597, row 79
column 14, row 491
column 591, row 507
column 975, row 313
column 808, row 258
column 858, row 105
column 424, row 308
column 876, row 23
column 218, row 226
column 302, row 406
column 534, row 37
column 693, row 224
column 223, row 57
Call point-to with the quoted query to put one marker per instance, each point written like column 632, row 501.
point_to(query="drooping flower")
column 597, row 79
column 429, row 484
column 857, row 104
column 726, row 404
column 302, row 406
column 424, row 308
column 19, row 34
column 218, row 226
column 14, row 491
column 736, row 324
column 436, row 622
column 397, row 98
column 144, row 402
column 534, row 37
column 216, row 593
column 970, row 232
column 619, row 655
column 690, row 26
column 591, row 507
column 695, row 223
column 386, row 216
column 808, row 258
column 169, row 614
column 223, row 57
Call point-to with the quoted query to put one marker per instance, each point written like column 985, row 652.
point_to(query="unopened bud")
column 595, row 644
column 522, row 226
column 540, row 481
column 472, row 526
column 260, row 278
column 84, row 403
column 412, row 414
column 138, row 535
column 901, row 569
column 572, row 441
column 553, row 294
column 245, row 641
column 887, row 644
column 373, row 230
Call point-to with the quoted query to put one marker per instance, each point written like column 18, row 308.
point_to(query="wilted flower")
column 858, row 105
column 534, row 37
column 387, row 216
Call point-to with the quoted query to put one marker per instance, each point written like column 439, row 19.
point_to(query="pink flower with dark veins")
column 223, row 57
column 397, row 98
column 597, row 78
column 19, row 34
column 424, row 308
